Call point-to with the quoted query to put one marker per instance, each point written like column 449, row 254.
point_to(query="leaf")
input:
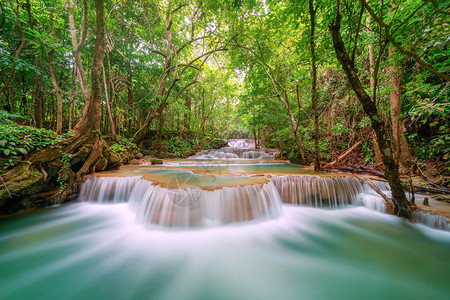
column 23, row 151
column 3, row 143
column 6, row 152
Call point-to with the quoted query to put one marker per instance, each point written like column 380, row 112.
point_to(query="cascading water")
column 189, row 207
column 317, row 191
column 237, row 149
column 90, row 250
column 108, row 189
column 432, row 220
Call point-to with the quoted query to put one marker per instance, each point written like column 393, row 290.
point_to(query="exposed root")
column 27, row 179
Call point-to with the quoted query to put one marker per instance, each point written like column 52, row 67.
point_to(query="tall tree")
column 401, row 205
column 312, row 18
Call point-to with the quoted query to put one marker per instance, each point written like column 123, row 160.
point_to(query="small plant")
column 125, row 148
column 18, row 141
column 367, row 150
column 63, row 174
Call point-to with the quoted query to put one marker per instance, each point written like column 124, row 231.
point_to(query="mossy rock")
column 134, row 162
column 84, row 152
column 156, row 161
column 114, row 160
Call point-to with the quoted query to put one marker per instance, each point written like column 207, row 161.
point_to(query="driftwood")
column 361, row 169
column 342, row 156
column 389, row 203
column 430, row 189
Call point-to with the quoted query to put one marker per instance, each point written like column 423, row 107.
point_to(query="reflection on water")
column 94, row 251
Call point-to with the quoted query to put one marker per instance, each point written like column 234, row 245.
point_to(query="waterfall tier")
column 236, row 149
column 189, row 207
column 325, row 191
column 432, row 220
column 108, row 189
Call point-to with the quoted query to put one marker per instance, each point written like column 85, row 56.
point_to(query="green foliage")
column 63, row 174
column 367, row 150
column 19, row 141
column 438, row 147
column 6, row 117
column 340, row 128
column 126, row 148
column 215, row 143
column 179, row 147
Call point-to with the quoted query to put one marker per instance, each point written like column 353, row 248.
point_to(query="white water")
column 108, row 189
column 96, row 251
column 319, row 191
column 431, row 220
column 184, row 208
column 197, row 207
column 236, row 149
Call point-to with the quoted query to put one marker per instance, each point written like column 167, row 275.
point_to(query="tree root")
column 27, row 179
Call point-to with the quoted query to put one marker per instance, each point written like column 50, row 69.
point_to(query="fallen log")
column 359, row 169
column 428, row 189
column 341, row 157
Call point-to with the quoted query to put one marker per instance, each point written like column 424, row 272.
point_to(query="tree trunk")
column 78, row 45
column 376, row 148
column 401, row 204
column 130, row 103
column 294, row 126
column 402, row 153
column 92, row 114
column 72, row 97
column 312, row 15
column 58, row 93
column 38, row 101
column 108, row 108
column 32, row 177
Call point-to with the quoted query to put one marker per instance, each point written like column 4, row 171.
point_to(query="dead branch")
column 341, row 157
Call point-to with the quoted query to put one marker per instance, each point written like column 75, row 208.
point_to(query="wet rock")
column 134, row 162
column 426, row 201
column 113, row 158
column 156, row 161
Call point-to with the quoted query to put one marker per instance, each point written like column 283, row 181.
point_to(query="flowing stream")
column 222, row 231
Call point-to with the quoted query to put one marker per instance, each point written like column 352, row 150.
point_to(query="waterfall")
column 254, row 154
column 197, row 207
column 190, row 207
column 382, row 185
column 237, row 149
column 242, row 143
column 108, row 189
column 322, row 191
column 431, row 220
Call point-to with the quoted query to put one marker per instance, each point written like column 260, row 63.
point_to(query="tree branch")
column 399, row 47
